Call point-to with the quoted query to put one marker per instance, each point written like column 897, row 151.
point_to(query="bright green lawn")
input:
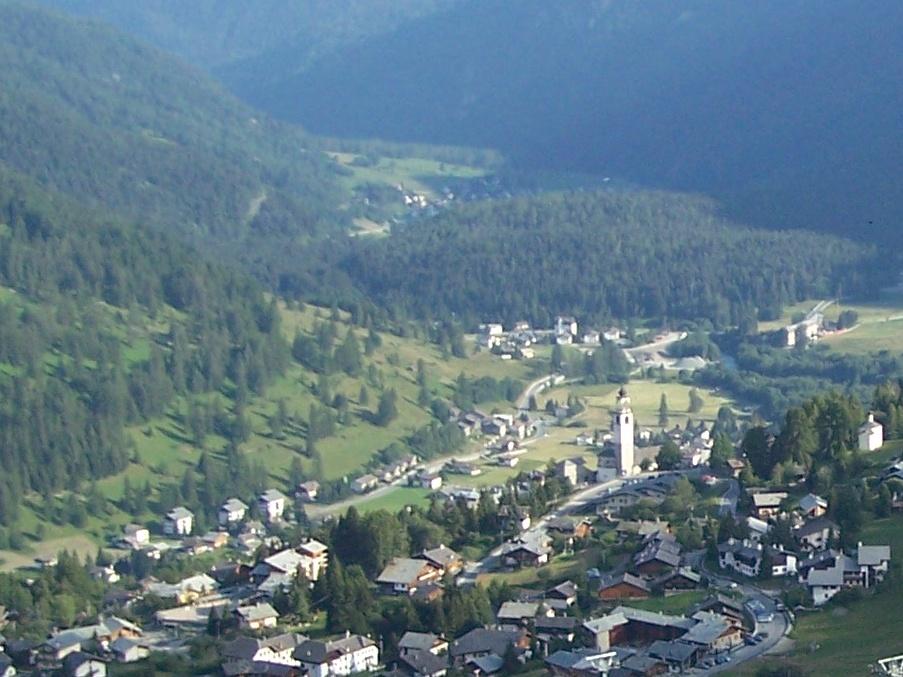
column 675, row 604
column 560, row 568
column 396, row 499
column 870, row 336
column 164, row 448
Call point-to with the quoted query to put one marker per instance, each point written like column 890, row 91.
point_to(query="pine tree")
column 295, row 473
column 387, row 409
column 278, row 420
column 696, row 401
column 663, row 411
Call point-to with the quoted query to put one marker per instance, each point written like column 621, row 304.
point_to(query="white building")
column 231, row 512
column 833, row 571
column 272, row 504
column 622, row 428
column 492, row 329
column 179, row 522
column 135, row 536
column 565, row 325
column 315, row 558
column 257, row 616
column 871, row 435
column 805, row 331
column 745, row 557
column 346, row 656
column 276, row 649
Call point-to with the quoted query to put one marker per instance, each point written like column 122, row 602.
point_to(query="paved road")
column 532, row 390
column 774, row 630
column 656, row 346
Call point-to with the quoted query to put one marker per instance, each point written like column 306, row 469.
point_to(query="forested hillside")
column 102, row 325
column 233, row 36
column 602, row 255
column 784, row 110
column 89, row 112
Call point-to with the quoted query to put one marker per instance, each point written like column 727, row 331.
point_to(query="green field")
column 645, row 398
column 880, row 325
column 786, row 317
column 880, row 328
column 77, row 543
column 674, row 604
column 560, row 568
column 396, row 499
column 417, row 175
column 560, row 441
column 409, row 171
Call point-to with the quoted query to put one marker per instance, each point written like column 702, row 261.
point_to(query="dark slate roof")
column 484, row 640
column 564, row 659
column 563, row 590
column 401, row 570
column 627, row 579
column 815, row 526
column 488, row 664
column 719, row 599
column 315, row 651
column 442, row 556
column 74, row 660
column 554, row 623
column 424, row 662
column 639, row 664
column 672, row 651
column 422, row 641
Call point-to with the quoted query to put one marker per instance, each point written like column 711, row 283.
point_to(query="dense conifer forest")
column 70, row 376
column 602, row 255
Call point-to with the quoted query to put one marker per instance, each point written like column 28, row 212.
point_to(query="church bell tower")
column 622, row 427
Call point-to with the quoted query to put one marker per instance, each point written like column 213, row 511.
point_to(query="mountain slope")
column 786, row 111
column 102, row 325
column 602, row 255
column 263, row 38
column 91, row 113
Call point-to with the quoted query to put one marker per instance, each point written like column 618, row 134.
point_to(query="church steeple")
column 623, row 427
column 623, row 400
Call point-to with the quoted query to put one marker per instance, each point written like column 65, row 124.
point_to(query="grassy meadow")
column 645, row 399
column 880, row 325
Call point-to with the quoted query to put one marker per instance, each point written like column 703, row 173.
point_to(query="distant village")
column 518, row 342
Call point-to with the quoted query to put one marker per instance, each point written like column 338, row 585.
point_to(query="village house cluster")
column 815, row 561
column 518, row 342
column 648, row 643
